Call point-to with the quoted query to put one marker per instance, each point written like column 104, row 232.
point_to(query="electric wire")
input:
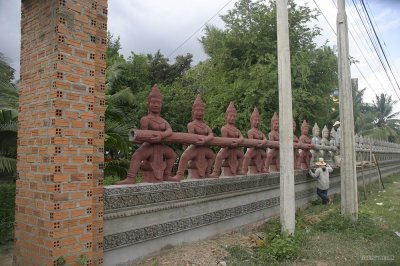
column 361, row 50
column 376, row 26
column 380, row 45
column 374, row 44
column 336, row 35
column 196, row 31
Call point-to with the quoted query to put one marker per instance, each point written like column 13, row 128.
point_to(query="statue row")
column 156, row 159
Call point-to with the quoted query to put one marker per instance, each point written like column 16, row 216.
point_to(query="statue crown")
column 254, row 114
column 198, row 102
column 155, row 93
column 231, row 109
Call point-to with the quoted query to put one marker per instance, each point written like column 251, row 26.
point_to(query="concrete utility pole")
column 348, row 173
column 287, row 199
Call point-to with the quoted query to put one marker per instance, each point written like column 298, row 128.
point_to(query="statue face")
column 155, row 105
column 256, row 122
column 275, row 125
column 304, row 130
column 198, row 113
column 325, row 134
column 316, row 133
column 231, row 118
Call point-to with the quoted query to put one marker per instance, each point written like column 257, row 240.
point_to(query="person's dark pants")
column 323, row 194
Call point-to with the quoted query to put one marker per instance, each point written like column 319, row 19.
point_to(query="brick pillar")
column 59, row 202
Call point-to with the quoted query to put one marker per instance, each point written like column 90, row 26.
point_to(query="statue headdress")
column 274, row 118
column 305, row 124
column 254, row 114
column 325, row 130
column 231, row 109
column 314, row 129
column 154, row 93
column 198, row 102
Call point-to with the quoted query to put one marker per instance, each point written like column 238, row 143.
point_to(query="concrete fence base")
column 142, row 219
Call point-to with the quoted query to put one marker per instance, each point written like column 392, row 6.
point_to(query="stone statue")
column 316, row 138
column 305, row 155
column 325, row 135
column 155, row 159
column 201, row 157
column 232, row 155
column 255, row 157
column 296, row 154
column 325, row 142
column 272, row 162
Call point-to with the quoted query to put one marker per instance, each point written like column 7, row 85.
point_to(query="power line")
column 374, row 44
column 380, row 44
column 194, row 33
column 361, row 51
column 376, row 26
column 336, row 35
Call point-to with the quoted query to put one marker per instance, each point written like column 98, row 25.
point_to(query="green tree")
column 243, row 65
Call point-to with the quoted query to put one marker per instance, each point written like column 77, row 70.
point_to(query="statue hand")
column 260, row 144
column 200, row 141
column 156, row 137
column 234, row 143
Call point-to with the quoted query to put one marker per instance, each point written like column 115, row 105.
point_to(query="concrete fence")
column 142, row 219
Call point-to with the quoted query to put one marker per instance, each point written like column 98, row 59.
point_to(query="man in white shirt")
column 322, row 174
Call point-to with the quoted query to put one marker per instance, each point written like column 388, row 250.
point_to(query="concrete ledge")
column 142, row 219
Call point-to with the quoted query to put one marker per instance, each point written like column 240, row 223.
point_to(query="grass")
column 325, row 237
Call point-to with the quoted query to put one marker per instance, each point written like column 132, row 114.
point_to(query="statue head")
column 315, row 130
column 154, row 100
column 255, row 118
column 230, row 114
column 304, row 128
column 275, row 122
column 325, row 132
column 198, row 108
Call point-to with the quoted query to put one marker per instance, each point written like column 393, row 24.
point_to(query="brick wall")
column 59, row 203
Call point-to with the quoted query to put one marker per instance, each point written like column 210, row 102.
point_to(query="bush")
column 7, row 212
column 282, row 248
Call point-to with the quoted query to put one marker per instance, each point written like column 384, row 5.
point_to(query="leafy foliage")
column 7, row 210
column 243, row 65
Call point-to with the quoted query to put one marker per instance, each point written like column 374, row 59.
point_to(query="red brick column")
column 59, row 202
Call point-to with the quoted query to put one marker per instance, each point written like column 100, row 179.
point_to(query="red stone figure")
column 255, row 157
column 201, row 157
column 232, row 155
column 305, row 155
column 272, row 162
column 295, row 151
column 156, row 159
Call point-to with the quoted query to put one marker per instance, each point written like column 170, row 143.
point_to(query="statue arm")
column 144, row 123
column 167, row 132
column 210, row 134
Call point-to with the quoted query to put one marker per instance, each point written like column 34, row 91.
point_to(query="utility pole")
column 349, row 199
column 287, row 196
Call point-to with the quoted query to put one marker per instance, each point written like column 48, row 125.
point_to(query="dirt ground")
column 206, row 252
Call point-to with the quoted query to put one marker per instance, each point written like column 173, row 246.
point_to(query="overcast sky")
column 147, row 26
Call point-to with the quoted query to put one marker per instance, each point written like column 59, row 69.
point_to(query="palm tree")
column 385, row 125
